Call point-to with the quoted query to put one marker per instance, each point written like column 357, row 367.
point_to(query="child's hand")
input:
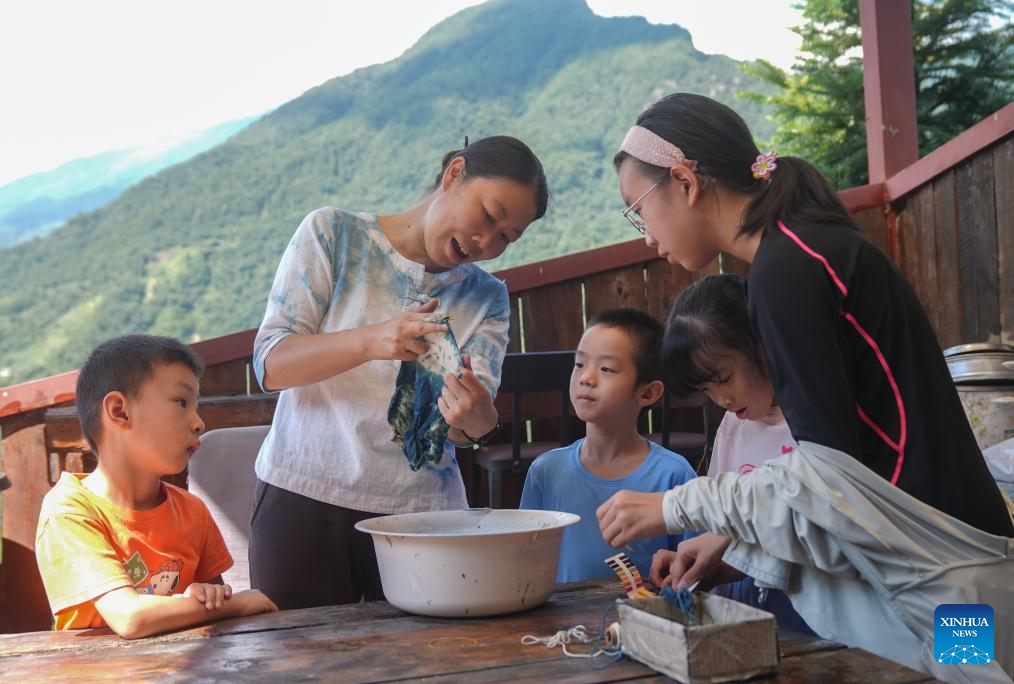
column 253, row 602
column 661, row 564
column 699, row 558
column 400, row 338
column 627, row 516
column 465, row 403
column 213, row 596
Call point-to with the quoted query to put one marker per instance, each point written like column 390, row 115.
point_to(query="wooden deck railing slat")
column 1003, row 173
column 948, row 266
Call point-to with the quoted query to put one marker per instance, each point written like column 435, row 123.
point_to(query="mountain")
column 36, row 205
column 192, row 250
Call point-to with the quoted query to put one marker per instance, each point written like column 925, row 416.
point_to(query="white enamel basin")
column 468, row 563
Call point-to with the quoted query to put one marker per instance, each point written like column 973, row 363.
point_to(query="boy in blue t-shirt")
column 616, row 374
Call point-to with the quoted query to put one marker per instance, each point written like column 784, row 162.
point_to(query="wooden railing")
column 955, row 242
column 948, row 221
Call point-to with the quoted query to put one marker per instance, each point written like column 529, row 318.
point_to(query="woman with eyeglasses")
column 886, row 509
column 354, row 296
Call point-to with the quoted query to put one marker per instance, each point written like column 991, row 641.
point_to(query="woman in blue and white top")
column 343, row 314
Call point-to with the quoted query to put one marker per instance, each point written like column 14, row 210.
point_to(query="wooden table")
column 375, row 642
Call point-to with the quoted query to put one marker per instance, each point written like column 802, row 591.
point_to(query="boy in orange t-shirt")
column 119, row 547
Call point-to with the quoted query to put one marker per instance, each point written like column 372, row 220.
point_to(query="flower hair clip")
column 765, row 166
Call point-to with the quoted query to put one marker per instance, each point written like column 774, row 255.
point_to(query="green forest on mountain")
column 192, row 250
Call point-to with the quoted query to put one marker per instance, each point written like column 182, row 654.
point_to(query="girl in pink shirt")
column 710, row 347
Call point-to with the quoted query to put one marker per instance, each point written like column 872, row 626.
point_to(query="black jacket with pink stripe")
column 856, row 366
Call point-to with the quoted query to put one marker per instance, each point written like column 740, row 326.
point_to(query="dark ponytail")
column 720, row 141
column 796, row 193
column 707, row 321
column 501, row 156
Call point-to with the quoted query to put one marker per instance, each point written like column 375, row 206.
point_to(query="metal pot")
column 980, row 364
column 983, row 374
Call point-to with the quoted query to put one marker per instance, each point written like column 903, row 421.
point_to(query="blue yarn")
column 683, row 599
column 614, row 654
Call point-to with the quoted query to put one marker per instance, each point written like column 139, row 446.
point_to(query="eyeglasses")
column 638, row 222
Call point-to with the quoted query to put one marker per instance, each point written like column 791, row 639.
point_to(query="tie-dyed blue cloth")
column 419, row 428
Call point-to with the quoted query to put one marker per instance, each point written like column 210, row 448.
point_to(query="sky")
column 81, row 77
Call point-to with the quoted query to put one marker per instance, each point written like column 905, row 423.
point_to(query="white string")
column 576, row 634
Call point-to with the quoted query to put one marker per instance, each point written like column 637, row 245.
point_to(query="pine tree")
column 964, row 70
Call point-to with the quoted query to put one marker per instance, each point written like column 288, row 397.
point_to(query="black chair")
column 524, row 373
column 550, row 372
column 693, row 446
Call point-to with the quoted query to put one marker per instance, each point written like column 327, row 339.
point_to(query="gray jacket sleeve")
column 768, row 535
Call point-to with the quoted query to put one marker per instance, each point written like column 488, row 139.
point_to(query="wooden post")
column 889, row 87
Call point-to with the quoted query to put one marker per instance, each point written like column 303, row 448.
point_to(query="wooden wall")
column 955, row 243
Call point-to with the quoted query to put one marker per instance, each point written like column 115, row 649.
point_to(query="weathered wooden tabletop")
column 375, row 642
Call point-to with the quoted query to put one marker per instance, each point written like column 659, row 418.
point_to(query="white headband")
column 650, row 148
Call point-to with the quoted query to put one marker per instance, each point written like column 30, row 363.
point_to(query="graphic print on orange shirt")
column 161, row 582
